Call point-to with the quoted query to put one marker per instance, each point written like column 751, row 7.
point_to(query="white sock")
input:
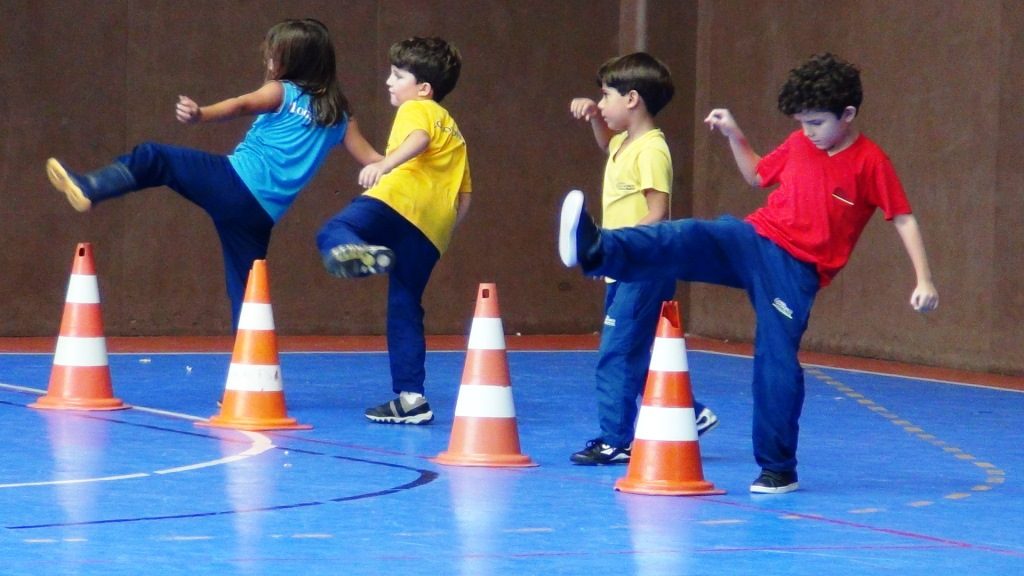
column 410, row 398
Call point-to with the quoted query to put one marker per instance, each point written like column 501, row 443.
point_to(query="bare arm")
column 415, row 143
column 357, row 145
column 746, row 158
column 463, row 207
column 925, row 297
column 586, row 109
column 266, row 99
column 657, row 207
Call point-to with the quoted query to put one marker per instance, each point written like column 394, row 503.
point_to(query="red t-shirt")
column 824, row 202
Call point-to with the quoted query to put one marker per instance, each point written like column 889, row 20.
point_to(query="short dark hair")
column 641, row 72
column 824, row 82
column 432, row 60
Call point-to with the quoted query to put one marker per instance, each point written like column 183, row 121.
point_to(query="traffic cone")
column 665, row 458
column 80, row 378
column 254, row 394
column 484, row 432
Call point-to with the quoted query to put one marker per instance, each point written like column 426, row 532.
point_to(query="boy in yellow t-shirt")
column 401, row 225
column 637, row 190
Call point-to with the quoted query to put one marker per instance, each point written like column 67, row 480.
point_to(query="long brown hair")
column 302, row 53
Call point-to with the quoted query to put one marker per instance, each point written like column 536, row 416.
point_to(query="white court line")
column 260, row 444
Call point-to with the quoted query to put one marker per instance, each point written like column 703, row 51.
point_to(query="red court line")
column 529, row 342
column 868, row 527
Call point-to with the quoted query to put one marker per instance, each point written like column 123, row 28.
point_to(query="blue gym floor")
column 897, row 475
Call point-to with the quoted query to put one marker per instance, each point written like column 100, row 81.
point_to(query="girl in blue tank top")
column 301, row 114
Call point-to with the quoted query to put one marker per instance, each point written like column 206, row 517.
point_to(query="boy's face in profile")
column 402, row 86
column 827, row 131
column 614, row 108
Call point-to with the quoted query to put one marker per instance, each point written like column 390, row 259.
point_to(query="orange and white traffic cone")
column 254, row 393
column 665, row 458
column 484, row 432
column 80, row 378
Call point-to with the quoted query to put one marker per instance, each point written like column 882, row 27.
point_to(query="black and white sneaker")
column 398, row 411
column 359, row 260
column 706, row 421
column 577, row 234
column 598, row 453
column 770, row 482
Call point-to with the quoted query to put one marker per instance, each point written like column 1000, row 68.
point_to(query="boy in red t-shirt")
column 831, row 179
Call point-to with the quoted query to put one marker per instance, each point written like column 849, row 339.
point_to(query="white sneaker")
column 706, row 421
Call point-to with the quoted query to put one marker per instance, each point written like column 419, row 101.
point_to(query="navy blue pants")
column 781, row 289
column 632, row 311
column 210, row 182
column 369, row 221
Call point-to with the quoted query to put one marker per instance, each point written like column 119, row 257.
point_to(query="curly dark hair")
column 641, row 72
column 432, row 60
column 824, row 82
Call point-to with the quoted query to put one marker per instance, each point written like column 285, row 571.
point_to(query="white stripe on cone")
column 485, row 402
column 254, row 378
column 486, row 334
column 669, row 355
column 83, row 289
column 666, row 424
column 80, row 351
column 256, row 316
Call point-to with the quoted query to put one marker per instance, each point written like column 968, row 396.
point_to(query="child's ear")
column 425, row 90
column 849, row 113
column 632, row 99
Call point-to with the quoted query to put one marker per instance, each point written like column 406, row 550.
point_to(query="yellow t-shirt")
column 425, row 189
column 646, row 164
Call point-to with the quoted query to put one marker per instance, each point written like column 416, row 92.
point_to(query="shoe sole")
column 778, row 490
column 62, row 181
column 596, row 463
column 418, row 419
column 348, row 261
column 572, row 208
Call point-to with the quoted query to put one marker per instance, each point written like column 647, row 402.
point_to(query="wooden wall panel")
column 86, row 81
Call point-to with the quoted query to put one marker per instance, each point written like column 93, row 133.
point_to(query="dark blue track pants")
column 369, row 221
column 632, row 311
column 781, row 289
column 210, row 182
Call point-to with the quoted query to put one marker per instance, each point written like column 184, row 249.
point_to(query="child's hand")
column 187, row 111
column 925, row 297
column 584, row 108
column 722, row 119
column 371, row 174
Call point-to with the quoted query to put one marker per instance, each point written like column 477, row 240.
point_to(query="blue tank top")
column 283, row 151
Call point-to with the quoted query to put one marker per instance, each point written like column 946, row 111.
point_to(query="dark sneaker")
column 774, row 482
column 399, row 412
column 577, row 234
column 597, row 453
column 706, row 421
column 69, row 183
column 358, row 260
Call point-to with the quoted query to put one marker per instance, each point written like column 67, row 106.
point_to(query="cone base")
column 694, row 488
column 484, row 460
column 255, row 424
column 59, row 403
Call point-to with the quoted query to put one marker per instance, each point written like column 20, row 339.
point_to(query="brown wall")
column 85, row 81
column 943, row 89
